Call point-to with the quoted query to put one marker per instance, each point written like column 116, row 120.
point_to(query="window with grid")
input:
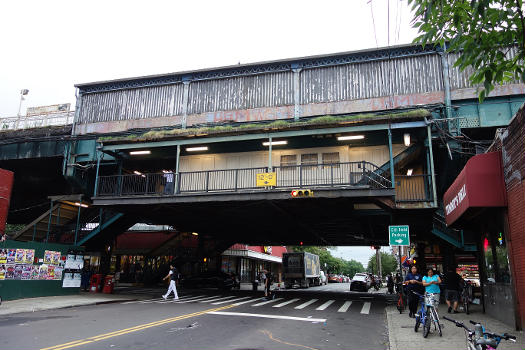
column 331, row 158
column 288, row 160
column 309, row 160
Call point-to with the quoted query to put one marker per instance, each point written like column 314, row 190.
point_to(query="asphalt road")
column 330, row 317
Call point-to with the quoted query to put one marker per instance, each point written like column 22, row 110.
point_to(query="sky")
column 48, row 46
column 360, row 254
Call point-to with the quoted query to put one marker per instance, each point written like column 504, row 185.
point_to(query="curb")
column 70, row 306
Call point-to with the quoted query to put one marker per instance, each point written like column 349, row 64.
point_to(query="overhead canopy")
column 479, row 185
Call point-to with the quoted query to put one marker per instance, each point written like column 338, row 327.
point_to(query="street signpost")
column 266, row 179
column 399, row 236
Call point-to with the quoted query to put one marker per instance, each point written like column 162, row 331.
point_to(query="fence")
column 36, row 121
column 332, row 175
column 413, row 188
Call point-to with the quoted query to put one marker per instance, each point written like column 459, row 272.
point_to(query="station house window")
column 288, row 160
column 331, row 158
column 308, row 160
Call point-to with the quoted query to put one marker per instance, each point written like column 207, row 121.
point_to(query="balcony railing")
column 37, row 121
column 334, row 175
column 413, row 188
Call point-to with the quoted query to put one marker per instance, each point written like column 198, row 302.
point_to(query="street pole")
column 378, row 262
column 400, row 266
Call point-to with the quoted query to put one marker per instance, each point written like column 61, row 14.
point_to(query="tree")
column 389, row 263
column 329, row 263
column 483, row 31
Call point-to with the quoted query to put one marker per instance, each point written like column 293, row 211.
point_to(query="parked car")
column 219, row 280
column 360, row 282
column 323, row 278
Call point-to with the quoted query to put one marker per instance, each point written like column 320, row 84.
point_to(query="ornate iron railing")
column 333, row 175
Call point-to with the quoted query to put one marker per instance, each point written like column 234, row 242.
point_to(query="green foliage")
column 13, row 228
column 483, row 31
column 389, row 263
column 333, row 264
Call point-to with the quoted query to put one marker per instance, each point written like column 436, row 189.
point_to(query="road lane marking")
column 217, row 299
column 280, row 317
column 177, row 301
column 366, row 307
column 230, row 301
column 286, row 302
column 345, row 306
column 325, row 305
column 267, row 302
column 302, row 306
column 131, row 329
column 195, row 300
column 248, row 301
column 270, row 335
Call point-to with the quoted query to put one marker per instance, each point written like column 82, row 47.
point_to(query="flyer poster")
column 70, row 262
column 79, row 262
column 51, row 272
column 10, row 272
column 11, row 256
column 26, row 272
column 29, row 256
column 34, row 272
column 18, row 271
column 19, row 257
column 3, row 256
column 58, row 273
column 55, row 258
column 48, row 256
column 42, row 272
column 2, row 271
column 68, row 281
column 77, row 279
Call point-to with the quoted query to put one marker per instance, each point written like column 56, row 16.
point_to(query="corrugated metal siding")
column 460, row 79
column 409, row 75
column 263, row 90
column 158, row 101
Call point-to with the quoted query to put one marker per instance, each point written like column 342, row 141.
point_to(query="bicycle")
column 401, row 299
column 466, row 296
column 427, row 315
column 479, row 339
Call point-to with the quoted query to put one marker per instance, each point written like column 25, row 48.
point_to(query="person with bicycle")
column 431, row 283
column 414, row 283
column 453, row 286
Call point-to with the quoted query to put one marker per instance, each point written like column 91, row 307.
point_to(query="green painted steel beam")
column 274, row 135
column 100, row 228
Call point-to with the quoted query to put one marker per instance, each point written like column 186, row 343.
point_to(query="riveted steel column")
column 296, row 91
column 391, row 155
column 177, row 170
column 270, row 154
column 96, row 174
column 78, row 222
column 49, row 220
column 185, row 97
column 429, row 135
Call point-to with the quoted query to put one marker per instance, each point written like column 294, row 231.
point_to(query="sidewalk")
column 59, row 302
column 402, row 336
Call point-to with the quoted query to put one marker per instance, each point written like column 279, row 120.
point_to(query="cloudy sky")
column 361, row 254
column 48, row 46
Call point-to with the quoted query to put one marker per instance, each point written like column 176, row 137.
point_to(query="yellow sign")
column 266, row 179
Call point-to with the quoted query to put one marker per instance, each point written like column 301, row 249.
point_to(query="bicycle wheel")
column 435, row 319
column 418, row 322
column 426, row 324
column 400, row 304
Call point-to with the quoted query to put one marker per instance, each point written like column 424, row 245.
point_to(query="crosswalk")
column 341, row 306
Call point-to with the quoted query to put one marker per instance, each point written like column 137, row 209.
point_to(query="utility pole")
column 23, row 93
column 378, row 262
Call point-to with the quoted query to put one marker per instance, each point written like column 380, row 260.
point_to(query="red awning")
column 479, row 185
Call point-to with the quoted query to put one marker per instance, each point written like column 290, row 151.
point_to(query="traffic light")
column 302, row 193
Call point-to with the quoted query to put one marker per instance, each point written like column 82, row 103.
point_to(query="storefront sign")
column 456, row 200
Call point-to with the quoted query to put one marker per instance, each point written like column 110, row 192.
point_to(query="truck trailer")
column 301, row 269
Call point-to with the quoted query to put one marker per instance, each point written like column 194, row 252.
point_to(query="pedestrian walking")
column 268, row 285
column 262, row 278
column 414, row 283
column 390, row 283
column 453, row 283
column 172, row 275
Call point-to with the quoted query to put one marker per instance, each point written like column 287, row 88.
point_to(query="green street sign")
column 399, row 235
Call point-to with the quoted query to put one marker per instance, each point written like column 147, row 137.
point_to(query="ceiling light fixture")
column 137, row 153
column 195, row 233
column 275, row 143
column 350, row 137
column 197, row 149
column 409, row 172
column 406, row 139
column 137, row 172
column 78, row 204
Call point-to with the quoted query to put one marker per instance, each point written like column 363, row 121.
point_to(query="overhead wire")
column 373, row 21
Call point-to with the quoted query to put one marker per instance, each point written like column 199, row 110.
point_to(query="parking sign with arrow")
column 399, row 235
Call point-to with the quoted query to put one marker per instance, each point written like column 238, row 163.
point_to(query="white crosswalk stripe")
column 217, row 299
column 325, row 305
column 199, row 299
column 230, row 301
column 309, row 302
column 286, row 302
column 345, row 306
column 366, row 307
column 248, row 301
column 267, row 302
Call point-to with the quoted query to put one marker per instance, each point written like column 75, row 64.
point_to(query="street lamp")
column 23, row 93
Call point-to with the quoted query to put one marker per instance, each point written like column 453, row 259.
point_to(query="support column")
column 296, row 91
column 446, row 85
column 49, row 221
column 177, row 171
column 99, row 157
column 270, row 167
column 391, row 155
column 429, row 139
column 78, row 222
column 185, row 97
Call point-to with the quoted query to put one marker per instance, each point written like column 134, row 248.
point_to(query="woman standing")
column 431, row 283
